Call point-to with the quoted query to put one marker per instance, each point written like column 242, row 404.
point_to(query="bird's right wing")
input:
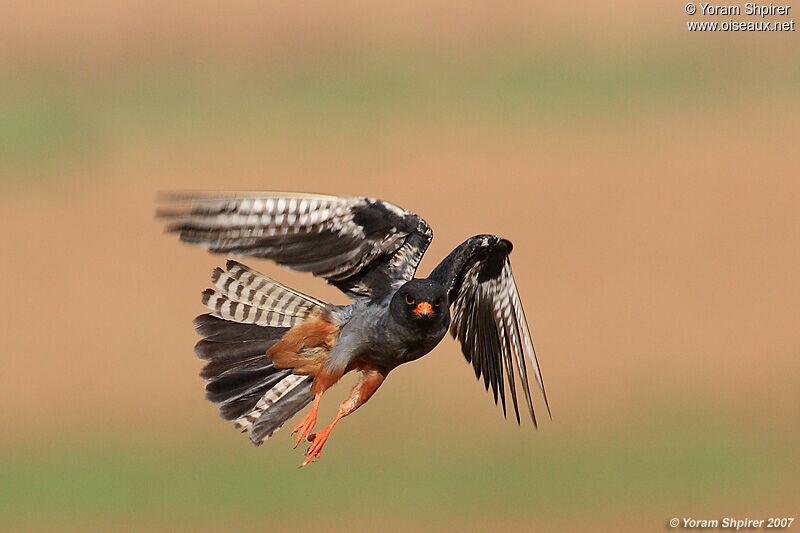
column 363, row 246
column 488, row 319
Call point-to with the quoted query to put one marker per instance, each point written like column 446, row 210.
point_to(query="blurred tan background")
column 647, row 176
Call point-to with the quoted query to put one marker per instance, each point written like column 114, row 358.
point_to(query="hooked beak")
column 423, row 309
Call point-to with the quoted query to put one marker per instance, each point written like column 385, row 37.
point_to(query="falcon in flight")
column 271, row 350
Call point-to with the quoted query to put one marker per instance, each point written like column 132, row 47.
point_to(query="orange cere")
column 423, row 309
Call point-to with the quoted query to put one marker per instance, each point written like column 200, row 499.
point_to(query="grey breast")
column 357, row 337
column 373, row 335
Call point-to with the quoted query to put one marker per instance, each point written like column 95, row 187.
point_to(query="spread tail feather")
column 251, row 314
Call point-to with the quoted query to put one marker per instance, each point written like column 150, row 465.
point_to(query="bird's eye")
column 410, row 300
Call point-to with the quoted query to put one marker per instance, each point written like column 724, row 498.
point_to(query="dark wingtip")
column 533, row 414
column 546, row 403
column 169, row 213
column 177, row 204
column 181, row 196
column 516, row 412
column 540, row 380
column 502, row 395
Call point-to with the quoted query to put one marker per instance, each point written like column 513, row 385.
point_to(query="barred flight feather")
column 246, row 296
column 251, row 313
column 343, row 239
column 272, row 396
column 488, row 319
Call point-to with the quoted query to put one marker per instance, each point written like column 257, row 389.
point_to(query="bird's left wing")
column 488, row 319
column 361, row 245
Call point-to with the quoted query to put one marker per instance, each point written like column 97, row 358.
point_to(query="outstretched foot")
column 317, row 442
column 306, row 426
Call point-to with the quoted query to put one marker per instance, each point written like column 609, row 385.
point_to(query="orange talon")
column 315, row 450
column 306, row 426
column 369, row 382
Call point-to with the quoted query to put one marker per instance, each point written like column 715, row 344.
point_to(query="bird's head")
column 420, row 300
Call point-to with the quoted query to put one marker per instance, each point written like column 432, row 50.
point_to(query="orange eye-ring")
column 410, row 300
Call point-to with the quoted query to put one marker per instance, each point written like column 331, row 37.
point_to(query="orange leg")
column 323, row 380
column 366, row 386
column 306, row 426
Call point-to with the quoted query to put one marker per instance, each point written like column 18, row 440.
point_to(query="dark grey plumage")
column 240, row 376
column 488, row 319
column 361, row 245
column 239, row 373
column 369, row 249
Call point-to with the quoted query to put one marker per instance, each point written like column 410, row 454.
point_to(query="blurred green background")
column 648, row 177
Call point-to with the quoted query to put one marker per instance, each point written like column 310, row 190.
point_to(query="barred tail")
column 251, row 314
